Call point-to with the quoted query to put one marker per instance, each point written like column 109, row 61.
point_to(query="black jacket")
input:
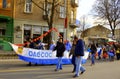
column 60, row 48
column 93, row 49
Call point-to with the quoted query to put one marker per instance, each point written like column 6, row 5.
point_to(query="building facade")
column 24, row 19
column 6, row 20
column 117, row 34
column 98, row 34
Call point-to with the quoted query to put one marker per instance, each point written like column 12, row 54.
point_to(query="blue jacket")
column 68, row 46
column 79, row 49
column 52, row 46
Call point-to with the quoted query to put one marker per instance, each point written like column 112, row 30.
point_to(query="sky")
column 84, row 8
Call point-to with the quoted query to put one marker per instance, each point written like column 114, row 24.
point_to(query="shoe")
column 73, row 71
column 75, row 76
column 56, row 69
column 36, row 64
column 29, row 64
column 82, row 72
column 60, row 68
column 92, row 64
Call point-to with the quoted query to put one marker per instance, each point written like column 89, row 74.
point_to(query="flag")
column 65, row 23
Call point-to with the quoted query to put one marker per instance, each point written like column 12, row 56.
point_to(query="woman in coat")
column 60, row 48
column 72, row 52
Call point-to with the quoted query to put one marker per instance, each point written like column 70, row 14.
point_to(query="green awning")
column 5, row 18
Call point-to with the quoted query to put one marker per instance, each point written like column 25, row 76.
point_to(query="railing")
column 73, row 23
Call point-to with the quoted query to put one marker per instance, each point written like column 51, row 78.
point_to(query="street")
column 17, row 69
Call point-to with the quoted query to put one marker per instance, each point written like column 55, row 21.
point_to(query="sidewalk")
column 8, row 55
column 1, row 60
column 3, row 51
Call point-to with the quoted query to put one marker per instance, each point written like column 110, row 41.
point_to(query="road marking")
column 17, row 70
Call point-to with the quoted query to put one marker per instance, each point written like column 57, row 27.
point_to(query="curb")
column 9, row 60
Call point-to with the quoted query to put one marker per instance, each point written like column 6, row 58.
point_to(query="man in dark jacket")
column 79, row 53
column 60, row 48
column 93, row 52
column 31, row 45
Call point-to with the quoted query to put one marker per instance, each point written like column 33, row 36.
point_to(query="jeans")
column 59, row 64
column 118, row 56
column 79, row 66
column 111, row 58
column 92, row 58
column 73, row 62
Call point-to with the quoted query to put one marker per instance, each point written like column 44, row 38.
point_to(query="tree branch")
column 37, row 5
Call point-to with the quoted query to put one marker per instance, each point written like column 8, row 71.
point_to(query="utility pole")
column 12, row 13
column 66, row 19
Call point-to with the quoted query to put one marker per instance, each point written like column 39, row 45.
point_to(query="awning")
column 5, row 18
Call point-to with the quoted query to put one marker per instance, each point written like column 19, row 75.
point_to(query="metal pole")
column 65, row 27
column 67, row 17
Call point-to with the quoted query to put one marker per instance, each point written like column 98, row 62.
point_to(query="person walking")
column 118, row 53
column 72, row 52
column 79, row 53
column 93, row 52
column 60, row 48
column 68, row 45
column 31, row 45
column 111, row 52
column 52, row 45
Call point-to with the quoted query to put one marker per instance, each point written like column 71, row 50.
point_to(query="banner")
column 42, row 56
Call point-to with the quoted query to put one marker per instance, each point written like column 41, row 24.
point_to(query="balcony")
column 74, row 23
column 74, row 3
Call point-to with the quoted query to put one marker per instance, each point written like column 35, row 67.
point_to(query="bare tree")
column 108, row 10
column 83, row 25
column 49, row 9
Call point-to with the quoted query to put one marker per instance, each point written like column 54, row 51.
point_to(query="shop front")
column 6, row 32
column 6, row 28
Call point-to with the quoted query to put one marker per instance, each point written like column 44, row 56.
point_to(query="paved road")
column 16, row 69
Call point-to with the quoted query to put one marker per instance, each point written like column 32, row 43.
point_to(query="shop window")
column 27, row 35
column 2, row 28
column 37, row 31
column 45, row 39
column 27, row 32
column 2, row 32
column 36, row 36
